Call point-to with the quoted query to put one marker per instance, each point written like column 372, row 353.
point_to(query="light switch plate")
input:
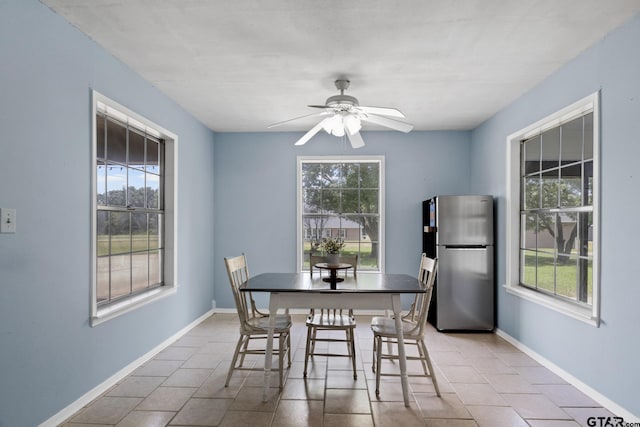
column 7, row 220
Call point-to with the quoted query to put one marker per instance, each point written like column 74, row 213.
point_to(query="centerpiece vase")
column 333, row 259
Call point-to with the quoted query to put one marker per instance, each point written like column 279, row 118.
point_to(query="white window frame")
column 299, row 208
column 114, row 109
column 590, row 315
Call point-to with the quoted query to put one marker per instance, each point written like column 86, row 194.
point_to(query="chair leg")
column 313, row 340
column 432, row 373
column 306, row 351
column 281, row 348
column 350, row 333
column 389, row 347
column 349, row 338
column 233, row 360
column 289, row 348
column 373, row 356
column 378, row 366
column 243, row 352
column 423, row 358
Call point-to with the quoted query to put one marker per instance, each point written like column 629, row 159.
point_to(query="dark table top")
column 327, row 266
column 303, row 282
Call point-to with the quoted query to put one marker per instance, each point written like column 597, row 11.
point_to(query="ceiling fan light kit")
column 346, row 116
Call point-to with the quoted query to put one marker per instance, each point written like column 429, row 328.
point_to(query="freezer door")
column 464, row 220
column 465, row 289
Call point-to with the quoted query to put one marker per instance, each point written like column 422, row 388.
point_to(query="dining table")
column 367, row 291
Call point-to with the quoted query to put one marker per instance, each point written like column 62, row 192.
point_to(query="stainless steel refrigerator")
column 458, row 230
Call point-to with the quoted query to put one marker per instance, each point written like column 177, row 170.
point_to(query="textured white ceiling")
column 240, row 65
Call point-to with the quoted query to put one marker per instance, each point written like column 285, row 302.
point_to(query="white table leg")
column 404, row 378
column 268, row 357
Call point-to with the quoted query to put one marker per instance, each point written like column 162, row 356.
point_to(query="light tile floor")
column 484, row 381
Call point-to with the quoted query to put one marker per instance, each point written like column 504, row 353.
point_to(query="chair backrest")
column 353, row 260
column 238, row 274
column 420, row 307
column 315, row 259
column 347, row 259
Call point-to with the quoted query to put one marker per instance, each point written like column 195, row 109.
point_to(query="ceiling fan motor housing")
column 341, row 102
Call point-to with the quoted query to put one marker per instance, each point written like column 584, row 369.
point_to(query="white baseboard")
column 592, row 393
column 118, row 376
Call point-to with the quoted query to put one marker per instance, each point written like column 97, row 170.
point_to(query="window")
column 553, row 210
column 133, row 236
column 342, row 197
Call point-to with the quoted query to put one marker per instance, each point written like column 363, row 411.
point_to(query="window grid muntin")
column 130, row 210
column 586, row 206
column 320, row 182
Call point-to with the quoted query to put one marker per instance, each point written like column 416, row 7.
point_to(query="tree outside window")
column 129, row 210
column 341, row 198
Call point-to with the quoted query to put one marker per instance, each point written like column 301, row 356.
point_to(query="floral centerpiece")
column 332, row 247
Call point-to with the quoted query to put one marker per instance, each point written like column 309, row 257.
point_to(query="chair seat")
column 331, row 320
column 386, row 327
column 283, row 322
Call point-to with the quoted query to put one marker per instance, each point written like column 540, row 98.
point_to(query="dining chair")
column 313, row 260
column 254, row 324
column 413, row 326
column 328, row 320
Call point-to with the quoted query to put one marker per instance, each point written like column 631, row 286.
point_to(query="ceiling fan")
column 343, row 115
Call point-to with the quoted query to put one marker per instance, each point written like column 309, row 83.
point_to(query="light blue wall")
column 255, row 193
column 605, row 358
column 49, row 355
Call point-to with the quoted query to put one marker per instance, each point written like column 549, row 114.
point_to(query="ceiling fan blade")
column 307, row 136
column 390, row 123
column 297, row 118
column 318, row 106
column 355, row 140
column 384, row 111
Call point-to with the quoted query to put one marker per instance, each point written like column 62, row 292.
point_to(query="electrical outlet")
column 7, row 220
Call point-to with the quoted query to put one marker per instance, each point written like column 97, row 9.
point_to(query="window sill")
column 584, row 314
column 114, row 310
